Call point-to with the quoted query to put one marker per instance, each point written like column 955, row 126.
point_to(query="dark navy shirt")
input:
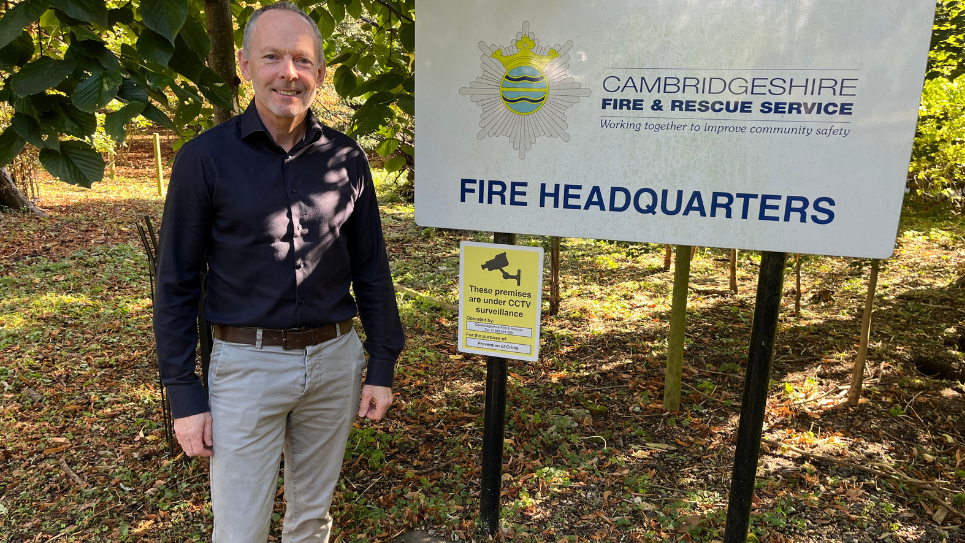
column 284, row 234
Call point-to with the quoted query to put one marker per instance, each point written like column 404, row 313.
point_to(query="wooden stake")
column 857, row 377
column 733, row 270
column 797, row 284
column 555, row 277
column 678, row 324
column 157, row 163
column 668, row 257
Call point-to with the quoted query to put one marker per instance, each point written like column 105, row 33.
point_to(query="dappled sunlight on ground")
column 590, row 453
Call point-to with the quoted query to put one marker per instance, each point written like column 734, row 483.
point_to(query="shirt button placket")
column 296, row 234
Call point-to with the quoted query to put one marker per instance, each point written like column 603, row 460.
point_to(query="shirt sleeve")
column 372, row 284
column 185, row 228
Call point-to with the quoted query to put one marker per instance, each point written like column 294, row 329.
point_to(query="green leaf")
column 406, row 103
column 195, row 37
column 215, row 89
column 132, row 92
column 337, row 10
column 10, row 146
column 407, row 36
column 370, row 117
column 30, row 130
column 341, row 58
column 185, row 61
column 243, row 15
column 365, row 64
column 115, row 122
column 153, row 47
column 381, row 82
column 40, row 75
column 394, row 164
column 387, row 146
column 19, row 17
column 91, row 11
column 70, row 120
column 382, row 98
column 354, row 8
column 83, row 34
column 107, row 58
column 157, row 117
column 123, row 15
column 96, row 91
column 166, row 17
column 186, row 91
column 187, row 111
column 344, row 80
column 157, row 84
column 326, row 23
column 31, row 105
column 79, row 52
column 17, row 53
column 77, row 163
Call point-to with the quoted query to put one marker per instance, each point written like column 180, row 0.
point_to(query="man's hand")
column 375, row 401
column 194, row 434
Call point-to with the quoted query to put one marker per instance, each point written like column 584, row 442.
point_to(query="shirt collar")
column 251, row 123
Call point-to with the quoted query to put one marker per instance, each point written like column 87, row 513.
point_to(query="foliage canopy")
column 62, row 61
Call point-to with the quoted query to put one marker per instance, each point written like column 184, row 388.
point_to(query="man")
column 284, row 212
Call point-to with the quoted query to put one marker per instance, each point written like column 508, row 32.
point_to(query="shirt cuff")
column 381, row 372
column 187, row 400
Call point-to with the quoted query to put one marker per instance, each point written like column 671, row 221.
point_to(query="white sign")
column 766, row 124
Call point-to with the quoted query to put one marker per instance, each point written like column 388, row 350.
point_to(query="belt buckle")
column 284, row 340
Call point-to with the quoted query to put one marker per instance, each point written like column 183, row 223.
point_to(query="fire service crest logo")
column 524, row 91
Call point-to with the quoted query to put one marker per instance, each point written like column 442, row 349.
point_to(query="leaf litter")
column 589, row 455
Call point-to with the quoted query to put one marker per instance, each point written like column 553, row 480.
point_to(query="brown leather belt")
column 289, row 339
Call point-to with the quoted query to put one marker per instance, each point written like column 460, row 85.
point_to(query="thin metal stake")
column 770, row 284
column 493, row 431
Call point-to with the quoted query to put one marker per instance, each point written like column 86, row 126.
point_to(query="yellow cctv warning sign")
column 500, row 289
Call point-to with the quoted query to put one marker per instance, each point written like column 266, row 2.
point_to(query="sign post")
column 499, row 311
column 770, row 285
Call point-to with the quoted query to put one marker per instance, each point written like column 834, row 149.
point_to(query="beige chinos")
column 268, row 398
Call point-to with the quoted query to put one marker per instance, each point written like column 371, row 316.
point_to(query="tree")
column 377, row 64
column 937, row 167
column 165, row 60
column 63, row 60
column 946, row 57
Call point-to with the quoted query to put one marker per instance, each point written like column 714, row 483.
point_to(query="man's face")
column 282, row 69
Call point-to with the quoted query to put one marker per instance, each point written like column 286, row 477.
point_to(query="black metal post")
column 770, row 285
column 493, row 431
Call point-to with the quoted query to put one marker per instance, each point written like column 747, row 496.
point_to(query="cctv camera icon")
column 499, row 262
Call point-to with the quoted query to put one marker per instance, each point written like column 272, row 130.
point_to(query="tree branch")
column 393, row 10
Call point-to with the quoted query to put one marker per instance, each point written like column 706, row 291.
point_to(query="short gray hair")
column 285, row 6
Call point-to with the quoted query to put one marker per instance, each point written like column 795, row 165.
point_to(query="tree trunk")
column 221, row 59
column 10, row 195
column 668, row 258
column 857, row 377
